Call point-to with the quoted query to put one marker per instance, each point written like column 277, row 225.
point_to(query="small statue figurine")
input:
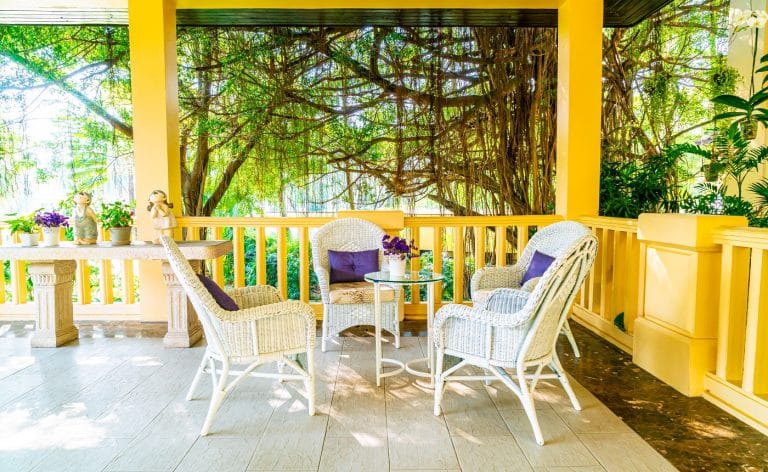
column 84, row 220
column 162, row 218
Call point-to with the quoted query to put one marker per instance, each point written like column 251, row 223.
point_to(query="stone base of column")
column 184, row 328
column 53, row 282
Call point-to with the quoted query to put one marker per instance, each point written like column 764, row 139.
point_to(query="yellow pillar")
column 152, row 35
column 675, row 335
column 579, row 95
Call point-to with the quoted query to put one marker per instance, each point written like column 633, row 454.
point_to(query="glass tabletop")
column 408, row 278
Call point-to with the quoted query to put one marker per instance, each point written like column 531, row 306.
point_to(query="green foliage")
column 633, row 187
column 116, row 215
column 23, row 224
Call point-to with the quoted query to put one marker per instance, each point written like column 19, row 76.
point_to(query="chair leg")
column 397, row 335
column 558, row 368
column 309, row 383
column 217, row 397
column 527, row 400
column 325, row 330
column 281, row 370
column 198, row 376
column 569, row 334
column 439, row 380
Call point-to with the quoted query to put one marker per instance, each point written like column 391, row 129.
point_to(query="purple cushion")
column 540, row 262
column 224, row 300
column 352, row 266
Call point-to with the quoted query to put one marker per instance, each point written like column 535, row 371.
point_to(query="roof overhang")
column 617, row 13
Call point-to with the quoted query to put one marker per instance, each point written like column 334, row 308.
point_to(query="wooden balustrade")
column 608, row 301
column 739, row 383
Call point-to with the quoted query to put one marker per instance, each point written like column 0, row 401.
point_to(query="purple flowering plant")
column 50, row 219
column 397, row 246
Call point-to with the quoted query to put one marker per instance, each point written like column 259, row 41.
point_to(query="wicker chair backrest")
column 553, row 240
column 552, row 298
column 344, row 234
column 197, row 294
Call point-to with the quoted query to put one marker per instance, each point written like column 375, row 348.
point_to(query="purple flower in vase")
column 395, row 246
column 51, row 219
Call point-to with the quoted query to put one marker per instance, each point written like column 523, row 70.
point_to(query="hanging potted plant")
column 50, row 222
column 26, row 228
column 118, row 218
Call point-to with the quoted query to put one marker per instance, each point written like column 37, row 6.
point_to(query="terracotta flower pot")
column 120, row 236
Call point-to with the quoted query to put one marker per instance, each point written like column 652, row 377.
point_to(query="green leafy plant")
column 116, row 215
column 23, row 224
column 747, row 112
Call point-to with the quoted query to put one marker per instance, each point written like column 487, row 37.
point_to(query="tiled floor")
column 117, row 404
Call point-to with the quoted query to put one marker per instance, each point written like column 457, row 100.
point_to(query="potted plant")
column 50, row 222
column 26, row 228
column 397, row 250
column 118, row 218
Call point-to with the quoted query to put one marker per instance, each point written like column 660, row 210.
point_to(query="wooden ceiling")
column 618, row 13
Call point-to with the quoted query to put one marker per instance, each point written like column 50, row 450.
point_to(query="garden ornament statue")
column 162, row 218
column 84, row 220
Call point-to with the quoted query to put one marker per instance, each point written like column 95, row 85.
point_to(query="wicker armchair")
column 264, row 330
column 351, row 304
column 500, row 286
column 522, row 340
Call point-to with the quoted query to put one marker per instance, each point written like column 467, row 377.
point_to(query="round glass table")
column 430, row 279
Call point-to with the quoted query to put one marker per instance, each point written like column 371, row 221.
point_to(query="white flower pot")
column 51, row 236
column 396, row 266
column 28, row 239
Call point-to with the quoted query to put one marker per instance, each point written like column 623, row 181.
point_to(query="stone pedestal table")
column 52, row 270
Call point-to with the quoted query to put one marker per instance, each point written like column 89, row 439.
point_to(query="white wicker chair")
column 350, row 234
column 522, row 340
column 500, row 283
column 264, row 330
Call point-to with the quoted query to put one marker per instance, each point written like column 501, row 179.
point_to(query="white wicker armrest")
column 495, row 277
column 507, row 300
column 323, row 281
column 479, row 316
column 274, row 310
column 257, row 295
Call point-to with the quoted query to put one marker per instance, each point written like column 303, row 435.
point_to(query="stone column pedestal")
column 53, row 282
column 184, row 328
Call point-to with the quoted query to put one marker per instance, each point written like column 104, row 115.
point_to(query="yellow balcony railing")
column 739, row 383
column 458, row 246
column 608, row 301
column 464, row 243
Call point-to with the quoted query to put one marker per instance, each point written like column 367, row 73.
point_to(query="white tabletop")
column 143, row 250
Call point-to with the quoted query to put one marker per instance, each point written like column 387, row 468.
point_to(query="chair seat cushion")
column 348, row 293
column 352, row 266
column 225, row 301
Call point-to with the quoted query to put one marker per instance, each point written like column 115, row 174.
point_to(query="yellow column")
column 152, row 35
column 579, row 95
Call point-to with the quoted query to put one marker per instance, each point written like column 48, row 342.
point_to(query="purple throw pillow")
column 352, row 266
column 540, row 262
column 221, row 297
